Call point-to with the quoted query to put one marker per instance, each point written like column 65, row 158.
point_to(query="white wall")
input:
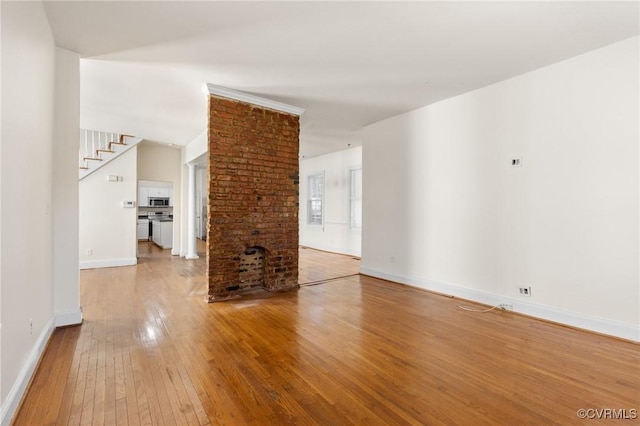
column 160, row 163
column 444, row 210
column 28, row 68
column 107, row 228
column 196, row 148
column 66, row 279
column 335, row 235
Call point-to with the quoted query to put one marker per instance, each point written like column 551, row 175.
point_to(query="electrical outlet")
column 525, row 291
column 506, row 307
column 31, row 327
column 89, row 252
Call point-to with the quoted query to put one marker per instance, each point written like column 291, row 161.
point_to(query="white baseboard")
column 175, row 252
column 332, row 249
column 549, row 313
column 107, row 263
column 63, row 319
column 10, row 404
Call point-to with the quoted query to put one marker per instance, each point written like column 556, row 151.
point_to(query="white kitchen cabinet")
column 143, row 197
column 163, row 233
column 159, row 192
column 143, row 230
column 155, row 231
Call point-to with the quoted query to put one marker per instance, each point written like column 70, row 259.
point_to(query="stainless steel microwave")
column 158, row 201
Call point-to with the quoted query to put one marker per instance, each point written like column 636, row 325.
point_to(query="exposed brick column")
column 253, row 195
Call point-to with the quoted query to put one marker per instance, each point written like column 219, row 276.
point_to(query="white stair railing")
column 98, row 148
column 92, row 142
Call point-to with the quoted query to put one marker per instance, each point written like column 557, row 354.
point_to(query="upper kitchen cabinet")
column 159, row 192
column 154, row 190
column 143, row 196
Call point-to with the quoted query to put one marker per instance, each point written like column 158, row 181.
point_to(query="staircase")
column 98, row 148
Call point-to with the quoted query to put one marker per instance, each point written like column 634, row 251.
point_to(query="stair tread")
column 110, row 147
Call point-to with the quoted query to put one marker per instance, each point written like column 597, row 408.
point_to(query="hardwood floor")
column 316, row 266
column 355, row 350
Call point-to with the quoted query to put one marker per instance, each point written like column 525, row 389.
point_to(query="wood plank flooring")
column 355, row 350
column 318, row 266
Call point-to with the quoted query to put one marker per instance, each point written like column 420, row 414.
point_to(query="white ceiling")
column 349, row 64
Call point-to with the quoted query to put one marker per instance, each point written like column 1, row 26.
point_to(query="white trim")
column 108, row 263
column 192, row 257
column 11, row 402
column 175, row 252
column 252, row 99
column 549, row 313
column 332, row 249
column 64, row 319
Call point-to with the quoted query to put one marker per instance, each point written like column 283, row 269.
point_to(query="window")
column 355, row 198
column 315, row 199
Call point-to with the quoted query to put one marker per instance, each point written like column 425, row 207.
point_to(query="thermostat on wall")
column 128, row 204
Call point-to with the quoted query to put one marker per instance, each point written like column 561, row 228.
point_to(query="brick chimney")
column 253, row 194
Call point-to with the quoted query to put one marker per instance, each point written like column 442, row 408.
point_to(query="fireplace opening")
column 252, row 266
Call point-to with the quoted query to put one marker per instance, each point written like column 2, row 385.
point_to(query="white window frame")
column 311, row 199
column 355, row 197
